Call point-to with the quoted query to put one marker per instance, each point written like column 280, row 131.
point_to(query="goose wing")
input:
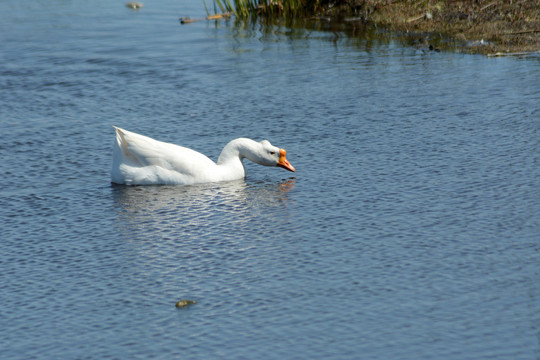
column 141, row 151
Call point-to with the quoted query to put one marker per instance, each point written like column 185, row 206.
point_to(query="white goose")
column 140, row 160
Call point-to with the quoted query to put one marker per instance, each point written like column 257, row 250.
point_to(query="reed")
column 266, row 8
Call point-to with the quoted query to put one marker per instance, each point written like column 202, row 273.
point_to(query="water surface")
column 410, row 230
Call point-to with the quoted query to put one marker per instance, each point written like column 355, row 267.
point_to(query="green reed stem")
column 270, row 8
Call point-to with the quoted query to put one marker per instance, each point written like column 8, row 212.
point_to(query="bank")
column 494, row 28
column 485, row 27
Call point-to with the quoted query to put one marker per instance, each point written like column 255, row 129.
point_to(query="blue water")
column 409, row 231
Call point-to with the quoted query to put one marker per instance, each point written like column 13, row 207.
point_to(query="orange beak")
column 283, row 162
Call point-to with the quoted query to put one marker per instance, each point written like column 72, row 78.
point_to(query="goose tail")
column 121, row 156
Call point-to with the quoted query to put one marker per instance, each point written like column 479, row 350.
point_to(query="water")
column 410, row 230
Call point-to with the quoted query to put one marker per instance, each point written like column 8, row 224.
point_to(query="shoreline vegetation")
column 489, row 27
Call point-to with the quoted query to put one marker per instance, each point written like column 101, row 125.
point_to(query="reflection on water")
column 197, row 208
column 343, row 31
column 194, row 231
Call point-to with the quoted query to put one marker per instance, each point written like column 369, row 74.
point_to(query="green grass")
column 244, row 9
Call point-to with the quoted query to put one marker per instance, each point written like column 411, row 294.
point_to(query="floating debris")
column 322, row 18
column 187, row 19
column 183, row 303
column 426, row 16
column 520, row 54
column 134, row 5
column 481, row 42
column 219, row 16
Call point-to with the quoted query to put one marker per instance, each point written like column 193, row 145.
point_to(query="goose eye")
column 272, row 152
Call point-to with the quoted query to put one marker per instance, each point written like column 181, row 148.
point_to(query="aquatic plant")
column 247, row 8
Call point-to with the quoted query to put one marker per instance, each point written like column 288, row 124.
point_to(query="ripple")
column 410, row 226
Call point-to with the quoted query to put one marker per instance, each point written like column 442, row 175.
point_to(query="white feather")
column 140, row 160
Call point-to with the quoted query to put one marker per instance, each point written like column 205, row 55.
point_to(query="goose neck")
column 238, row 149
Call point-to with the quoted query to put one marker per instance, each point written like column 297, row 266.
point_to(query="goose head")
column 270, row 155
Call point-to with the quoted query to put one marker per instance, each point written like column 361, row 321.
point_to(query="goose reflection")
column 201, row 209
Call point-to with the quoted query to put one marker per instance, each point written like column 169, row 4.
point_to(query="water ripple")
column 410, row 226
